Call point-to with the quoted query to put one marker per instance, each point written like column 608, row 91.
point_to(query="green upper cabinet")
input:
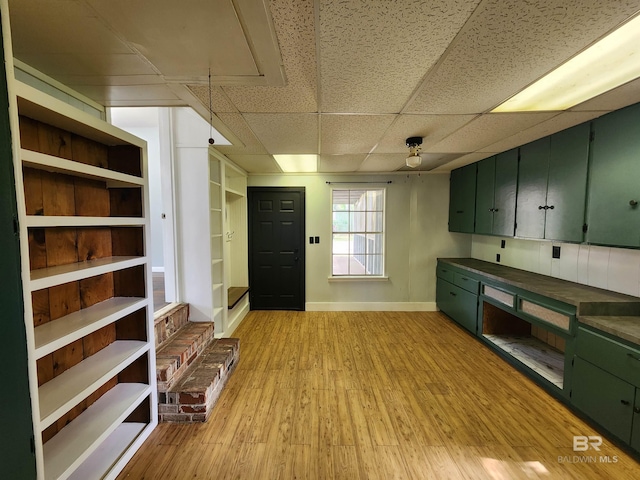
column 462, row 199
column 614, row 185
column 496, row 194
column 552, row 185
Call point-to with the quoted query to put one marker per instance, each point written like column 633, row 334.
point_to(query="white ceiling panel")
column 255, row 163
column 341, row 134
column 509, row 44
column 487, row 129
column 61, row 66
column 463, row 160
column 285, row 133
column 383, row 162
column 295, row 27
column 432, row 128
column 250, row 143
column 374, row 53
column 130, row 95
column 431, row 161
column 560, row 122
column 340, row 163
column 219, row 100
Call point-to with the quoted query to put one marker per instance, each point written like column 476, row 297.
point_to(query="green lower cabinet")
column 459, row 304
column 603, row 397
column 635, row 430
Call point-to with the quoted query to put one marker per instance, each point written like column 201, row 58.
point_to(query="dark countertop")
column 625, row 327
column 587, row 300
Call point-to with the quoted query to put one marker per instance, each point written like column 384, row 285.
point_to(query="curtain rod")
column 351, row 183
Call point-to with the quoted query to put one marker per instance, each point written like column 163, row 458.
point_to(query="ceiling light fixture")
column 414, row 160
column 605, row 65
column 297, row 163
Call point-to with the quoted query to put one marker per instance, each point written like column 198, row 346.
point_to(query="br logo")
column 582, row 443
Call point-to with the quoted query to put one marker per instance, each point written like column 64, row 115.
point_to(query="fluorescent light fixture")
column 297, row 163
column 607, row 64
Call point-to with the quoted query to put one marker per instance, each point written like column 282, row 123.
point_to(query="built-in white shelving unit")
column 82, row 203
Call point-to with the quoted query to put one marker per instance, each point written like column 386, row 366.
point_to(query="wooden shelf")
column 50, row 276
column 74, row 443
column 60, row 394
column 53, row 335
column 50, row 163
column 109, row 452
column 71, row 221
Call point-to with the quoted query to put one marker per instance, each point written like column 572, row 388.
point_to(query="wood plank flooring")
column 374, row 395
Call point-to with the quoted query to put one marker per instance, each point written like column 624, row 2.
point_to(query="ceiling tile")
column 295, row 28
column 487, row 129
column 431, row 161
column 219, row 100
column 341, row 134
column 463, row 160
column 60, row 66
column 373, row 54
column 237, row 124
column 432, row 128
column 620, row 97
column 383, row 162
column 129, row 95
column 285, row 133
column 340, row 163
column 255, row 163
column 560, row 122
column 508, row 44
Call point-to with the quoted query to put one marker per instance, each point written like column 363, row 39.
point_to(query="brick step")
column 178, row 352
column 193, row 397
column 168, row 323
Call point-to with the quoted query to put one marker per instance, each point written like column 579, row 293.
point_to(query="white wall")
column 616, row 269
column 417, row 234
column 143, row 122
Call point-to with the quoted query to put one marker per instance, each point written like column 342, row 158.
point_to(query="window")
column 358, row 232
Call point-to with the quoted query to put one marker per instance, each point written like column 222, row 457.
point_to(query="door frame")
column 303, row 269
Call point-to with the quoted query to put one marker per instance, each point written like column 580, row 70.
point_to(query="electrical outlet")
column 310, row 239
column 317, row 239
column 555, row 251
column 503, row 243
column 498, row 257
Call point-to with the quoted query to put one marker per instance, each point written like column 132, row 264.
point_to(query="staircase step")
column 176, row 354
column 193, row 397
column 168, row 323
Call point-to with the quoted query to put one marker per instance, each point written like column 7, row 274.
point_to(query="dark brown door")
column 276, row 248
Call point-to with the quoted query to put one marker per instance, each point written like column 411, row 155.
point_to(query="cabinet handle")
column 460, row 211
column 625, row 402
column 540, row 207
column 550, row 207
column 452, row 294
column 633, row 203
column 635, row 357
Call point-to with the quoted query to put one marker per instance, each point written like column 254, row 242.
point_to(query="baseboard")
column 241, row 310
column 157, row 269
column 371, row 306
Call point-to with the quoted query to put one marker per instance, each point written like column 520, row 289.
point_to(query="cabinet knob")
column 550, row 207
column 491, row 209
column 625, row 402
column 636, row 409
column 495, row 209
column 540, row 207
column 452, row 294
column 460, row 211
column 633, row 203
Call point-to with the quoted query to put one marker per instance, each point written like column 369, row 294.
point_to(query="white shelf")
column 53, row 335
column 217, row 184
column 69, row 167
column 70, row 221
column 216, row 286
column 50, row 276
column 216, row 235
column 216, row 261
column 109, row 452
column 216, row 209
column 74, row 443
column 60, row 394
column 234, row 192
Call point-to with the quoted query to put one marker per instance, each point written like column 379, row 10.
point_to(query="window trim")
column 348, row 277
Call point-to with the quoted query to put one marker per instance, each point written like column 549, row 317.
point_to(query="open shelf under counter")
column 60, row 394
column 109, row 452
column 535, row 354
column 50, row 276
column 50, row 163
column 55, row 334
column 41, row 221
column 77, row 441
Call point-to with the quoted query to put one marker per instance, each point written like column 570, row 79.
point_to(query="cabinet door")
column 604, row 397
column 635, row 430
column 614, row 189
column 444, row 299
column 504, row 213
column 485, row 186
column 532, row 188
column 462, row 199
column 567, row 185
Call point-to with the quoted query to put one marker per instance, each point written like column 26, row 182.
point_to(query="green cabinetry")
column 457, row 296
column 552, row 183
column 614, row 186
column 496, row 194
column 462, row 199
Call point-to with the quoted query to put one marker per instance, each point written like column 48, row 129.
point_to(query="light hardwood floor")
column 374, row 395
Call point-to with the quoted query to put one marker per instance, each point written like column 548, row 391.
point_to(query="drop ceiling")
column 348, row 80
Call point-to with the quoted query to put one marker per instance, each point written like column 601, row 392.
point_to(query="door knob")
column 633, row 203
